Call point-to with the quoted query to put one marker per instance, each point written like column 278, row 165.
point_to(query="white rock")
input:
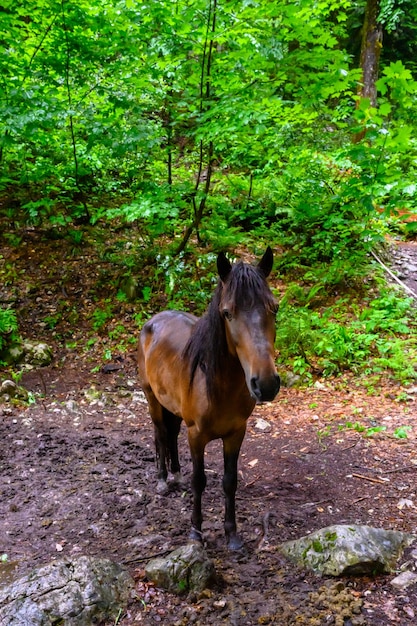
column 404, row 579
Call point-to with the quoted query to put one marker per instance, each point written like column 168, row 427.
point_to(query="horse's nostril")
column 254, row 383
column 265, row 390
column 277, row 383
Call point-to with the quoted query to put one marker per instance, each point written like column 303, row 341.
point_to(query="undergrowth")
column 8, row 331
column 335, row 316
column 374, row 334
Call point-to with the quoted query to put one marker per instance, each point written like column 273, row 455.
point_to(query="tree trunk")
column 370, row 53
column 205, row 95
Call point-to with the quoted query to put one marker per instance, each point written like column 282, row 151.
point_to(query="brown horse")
column 210, row 372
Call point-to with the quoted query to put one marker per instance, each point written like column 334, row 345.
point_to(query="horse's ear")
column 224, row 267
column 266, row 263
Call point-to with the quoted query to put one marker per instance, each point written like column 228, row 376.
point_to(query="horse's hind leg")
column 156, row 411
column 173, row 426
column 231, row 449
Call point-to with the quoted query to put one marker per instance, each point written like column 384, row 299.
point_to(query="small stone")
column 219, row 604
column 71, row 406
column 404, row 579
column 8, row 387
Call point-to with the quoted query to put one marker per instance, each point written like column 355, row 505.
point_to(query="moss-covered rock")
column 186, row 569
column 348, row 550
column 77, row 592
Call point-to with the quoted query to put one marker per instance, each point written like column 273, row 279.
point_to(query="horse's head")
column 249, row 310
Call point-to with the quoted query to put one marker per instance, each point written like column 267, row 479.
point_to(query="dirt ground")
column 78, row 477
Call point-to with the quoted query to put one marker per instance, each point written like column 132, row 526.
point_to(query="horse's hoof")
column 196, row 535
column 177, row 481
column 235, row 543
column 162, row 488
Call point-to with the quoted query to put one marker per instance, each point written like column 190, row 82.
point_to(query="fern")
column 8, row 328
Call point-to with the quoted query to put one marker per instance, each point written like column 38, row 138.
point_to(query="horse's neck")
column 229, row 374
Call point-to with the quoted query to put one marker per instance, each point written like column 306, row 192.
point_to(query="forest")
column 192, row 127
column 138, row 140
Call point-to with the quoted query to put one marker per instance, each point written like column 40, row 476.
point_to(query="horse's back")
column 168, row 330
column 161, row 344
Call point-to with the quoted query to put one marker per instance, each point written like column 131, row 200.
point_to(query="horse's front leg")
column 231, row 449
column 198, row 484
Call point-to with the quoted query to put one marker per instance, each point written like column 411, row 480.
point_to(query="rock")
column 289, row 379
column 13, row 354
column 130, row 288
column 263, row 425
column 77, row 592
column 404, row 579
column 29, row 353
column 37, row 354
column 72, row 406
column 186, row 569
column 348, row 550
column 9, row 389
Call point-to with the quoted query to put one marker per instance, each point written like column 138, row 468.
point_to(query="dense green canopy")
column 238, row 111
column 218, row 123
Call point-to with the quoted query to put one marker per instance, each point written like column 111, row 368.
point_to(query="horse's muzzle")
column 264, row 390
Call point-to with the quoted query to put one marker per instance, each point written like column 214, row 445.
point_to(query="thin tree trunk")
column 71, row 117
column 205, row 94
column 370, row 53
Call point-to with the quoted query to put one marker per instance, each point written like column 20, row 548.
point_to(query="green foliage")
column 8, row 330
column 101, row 316
column 371, row 340
column 401, row 432
column 368, row 428
column 144, row 104
column 232, row 121
column 8, row 324
column 367, row 431
column 186, row 285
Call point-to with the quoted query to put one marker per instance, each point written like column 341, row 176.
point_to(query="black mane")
column 244, row 288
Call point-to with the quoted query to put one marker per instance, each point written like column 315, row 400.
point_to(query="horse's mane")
column 244, row 288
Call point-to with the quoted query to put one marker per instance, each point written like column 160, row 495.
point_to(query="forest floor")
column 78, row 474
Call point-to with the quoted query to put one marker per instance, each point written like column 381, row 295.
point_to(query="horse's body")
column 210, row 372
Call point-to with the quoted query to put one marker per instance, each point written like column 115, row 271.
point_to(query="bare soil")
column 78, row 477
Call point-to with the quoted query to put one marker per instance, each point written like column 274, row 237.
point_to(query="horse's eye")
column 227, row 315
